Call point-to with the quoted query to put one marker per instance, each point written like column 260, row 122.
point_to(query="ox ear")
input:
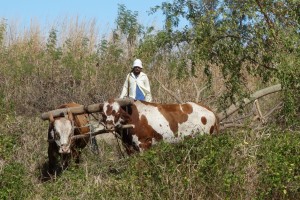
column 125, row 116
column 51, row 118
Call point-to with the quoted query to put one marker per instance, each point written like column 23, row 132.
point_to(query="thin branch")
column 233, row 125
column 237, row 119
column 278, row 106
column 178, row 99
column 268, row 20
column 260, row 116
column 198, row 91
column 263, row 65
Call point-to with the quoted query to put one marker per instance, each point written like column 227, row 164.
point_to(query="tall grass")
column 72, row 62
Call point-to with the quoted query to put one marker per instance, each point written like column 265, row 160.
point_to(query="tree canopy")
column 260, row 37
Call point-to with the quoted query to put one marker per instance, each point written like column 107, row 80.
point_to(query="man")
column 137, row 84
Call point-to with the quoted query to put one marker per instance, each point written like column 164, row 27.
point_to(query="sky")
column 47, row 12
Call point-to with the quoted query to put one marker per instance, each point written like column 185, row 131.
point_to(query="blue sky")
column 46, row 12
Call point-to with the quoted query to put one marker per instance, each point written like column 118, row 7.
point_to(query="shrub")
column 279, row 166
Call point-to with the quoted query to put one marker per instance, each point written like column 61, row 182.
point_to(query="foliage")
column 200, row 161
column 51, row 45
column 128, row 26
column 261, row 38
column 14, row 182
column 237, row 164
column 279, row 166
column 2, row 31
column 229, row 166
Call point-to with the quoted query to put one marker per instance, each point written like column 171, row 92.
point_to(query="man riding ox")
column 61, row 129
column 154, row 122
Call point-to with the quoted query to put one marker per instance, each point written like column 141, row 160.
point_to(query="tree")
column 128, row 26
column 260, row 37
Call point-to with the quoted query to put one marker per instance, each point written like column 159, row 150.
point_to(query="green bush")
column 238, row 164
column 205, row 166
column 235, row 165
column 279, row 163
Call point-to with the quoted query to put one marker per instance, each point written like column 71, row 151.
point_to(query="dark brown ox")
column 154, row 122
column 61, row 130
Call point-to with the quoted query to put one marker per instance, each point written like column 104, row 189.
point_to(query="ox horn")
column 70, row 115
column 51, row 118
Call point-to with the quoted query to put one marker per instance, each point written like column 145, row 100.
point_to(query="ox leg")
column 76, row 155
column 52, row 156
column 65, row 160
column 94, row 145
column 128, row 142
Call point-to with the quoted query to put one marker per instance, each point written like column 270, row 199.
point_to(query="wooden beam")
column 75, row 110
column 98, row 107
column 256, row 95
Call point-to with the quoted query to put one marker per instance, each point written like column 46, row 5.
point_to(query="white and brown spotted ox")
column 154, row 122
column 61, row 129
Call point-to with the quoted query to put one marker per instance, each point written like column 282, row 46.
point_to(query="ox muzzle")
column 64, row 149
column 109, row 125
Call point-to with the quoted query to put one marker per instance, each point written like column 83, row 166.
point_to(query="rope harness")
column 118, row 138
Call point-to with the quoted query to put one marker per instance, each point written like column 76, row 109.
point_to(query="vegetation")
column 228, row 50
column 253, row 38
column 238, row 164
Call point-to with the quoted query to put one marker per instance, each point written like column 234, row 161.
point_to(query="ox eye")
column 56, row 136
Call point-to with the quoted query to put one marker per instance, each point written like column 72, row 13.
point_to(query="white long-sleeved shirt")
column 142, row 81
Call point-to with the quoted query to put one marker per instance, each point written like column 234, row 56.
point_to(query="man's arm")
column 148, row 96
column 124, row 92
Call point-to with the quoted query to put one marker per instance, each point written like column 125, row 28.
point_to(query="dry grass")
column 34, row 80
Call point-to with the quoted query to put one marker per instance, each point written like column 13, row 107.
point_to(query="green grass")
column 14, row 182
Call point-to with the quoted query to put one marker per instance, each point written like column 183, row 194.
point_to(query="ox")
column 154, row 122
column 61, row 129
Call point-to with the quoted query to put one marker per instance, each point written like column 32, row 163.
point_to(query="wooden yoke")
column 98, row 107
column 125, row 101
column 75, row 110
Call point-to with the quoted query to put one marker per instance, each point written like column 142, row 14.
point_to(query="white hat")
column 137, row 63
